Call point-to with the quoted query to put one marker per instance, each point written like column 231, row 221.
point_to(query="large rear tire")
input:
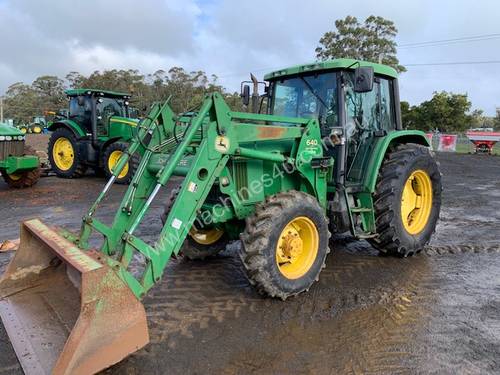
column 407, row 200
column 200, row 243
column 111, row 156
column 23, row 179
column 64, row 155
column 285, row 244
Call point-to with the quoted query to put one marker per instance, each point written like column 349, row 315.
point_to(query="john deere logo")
column 222, row 144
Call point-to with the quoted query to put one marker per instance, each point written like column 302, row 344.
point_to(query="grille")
column 241, row 178
column 11, row 148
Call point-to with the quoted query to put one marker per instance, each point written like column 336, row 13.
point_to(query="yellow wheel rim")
column 206, row 236
column 297, row 247
column 23, row 130
column 37, row 130
column 15, row 176
column 63, row 154
column 113, row 159
column 416, row 202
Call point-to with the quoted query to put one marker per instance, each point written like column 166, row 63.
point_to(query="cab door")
column 369, row 115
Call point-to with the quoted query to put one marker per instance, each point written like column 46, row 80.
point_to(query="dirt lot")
column 438, row 312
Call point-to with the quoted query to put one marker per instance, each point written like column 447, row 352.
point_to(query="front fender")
column 68, row 124
column 382, row 145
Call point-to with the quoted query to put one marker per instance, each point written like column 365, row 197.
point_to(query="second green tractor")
column 94, row 135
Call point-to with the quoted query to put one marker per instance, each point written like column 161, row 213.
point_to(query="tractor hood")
column 8, row 130
column 125, row 120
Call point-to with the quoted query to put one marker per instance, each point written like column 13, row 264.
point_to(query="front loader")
column 330, row 156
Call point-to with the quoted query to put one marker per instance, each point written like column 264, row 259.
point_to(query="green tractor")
column 329, row 156
column 95, row 133
column 37, row 125
column 19, row 164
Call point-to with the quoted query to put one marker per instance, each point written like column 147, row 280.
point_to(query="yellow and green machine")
column 328, row 156
column 19, row 165
column 95, row 133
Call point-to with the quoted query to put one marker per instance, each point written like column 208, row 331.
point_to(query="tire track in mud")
column 360, row 313
column 462, row 249
column 354, row 330
column 195, row 294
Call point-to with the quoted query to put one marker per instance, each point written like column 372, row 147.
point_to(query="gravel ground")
column 438, row 312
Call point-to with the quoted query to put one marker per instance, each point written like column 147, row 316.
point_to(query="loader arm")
column 223, row 135
column 72, row 308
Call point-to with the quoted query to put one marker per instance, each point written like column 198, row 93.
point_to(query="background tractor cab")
column 95, row 133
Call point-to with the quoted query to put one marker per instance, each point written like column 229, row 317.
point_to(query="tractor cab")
column 93, row 109
column 354, row 102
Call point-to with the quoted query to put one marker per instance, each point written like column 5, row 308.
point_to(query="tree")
column 445, row 111
column 371, row 41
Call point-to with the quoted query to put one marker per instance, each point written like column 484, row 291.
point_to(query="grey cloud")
column 151, row 25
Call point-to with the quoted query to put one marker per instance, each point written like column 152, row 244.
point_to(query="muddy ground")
column 438, row 312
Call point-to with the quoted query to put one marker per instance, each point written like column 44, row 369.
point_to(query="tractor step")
column 359, row 210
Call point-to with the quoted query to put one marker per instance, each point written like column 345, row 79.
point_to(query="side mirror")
column 363, row 79
column 245, row 95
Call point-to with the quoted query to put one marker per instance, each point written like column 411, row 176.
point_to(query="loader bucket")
column 66, row 311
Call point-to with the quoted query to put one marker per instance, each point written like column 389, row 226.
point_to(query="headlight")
column 2, row 138
column 8, row 138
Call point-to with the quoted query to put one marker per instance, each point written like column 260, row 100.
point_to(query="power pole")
column 1, row 108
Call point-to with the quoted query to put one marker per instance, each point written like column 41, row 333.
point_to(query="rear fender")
column 384, row 145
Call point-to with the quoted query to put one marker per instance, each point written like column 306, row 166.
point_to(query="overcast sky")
column 231, row 38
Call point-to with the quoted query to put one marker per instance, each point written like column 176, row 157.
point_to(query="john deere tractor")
column 95, row 133
column 329, row 156
column 19, row 164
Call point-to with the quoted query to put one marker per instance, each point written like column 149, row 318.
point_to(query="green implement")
column 329, row 156
column 19, row 165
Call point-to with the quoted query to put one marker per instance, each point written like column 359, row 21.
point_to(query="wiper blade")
column 313, row 92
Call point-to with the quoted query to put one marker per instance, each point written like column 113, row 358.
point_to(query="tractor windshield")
column 107, row 107
column 308, row 96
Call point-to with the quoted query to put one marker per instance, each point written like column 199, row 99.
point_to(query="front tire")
column 200, row 243
column 407, row 201
column 111, row 156
column 64, row 156
column 285, row 244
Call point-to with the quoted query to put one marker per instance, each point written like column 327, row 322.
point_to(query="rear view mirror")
column 363, row 79
column 245, row 95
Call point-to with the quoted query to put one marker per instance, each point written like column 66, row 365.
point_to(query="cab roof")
column 331, row 65
column 108, row 93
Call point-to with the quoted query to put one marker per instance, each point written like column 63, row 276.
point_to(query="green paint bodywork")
column 69, row 124
column 331, row 65
column 380, row 149
column 8, row 130
column 15, row 164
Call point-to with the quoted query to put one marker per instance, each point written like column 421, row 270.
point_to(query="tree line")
column 46, row 93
